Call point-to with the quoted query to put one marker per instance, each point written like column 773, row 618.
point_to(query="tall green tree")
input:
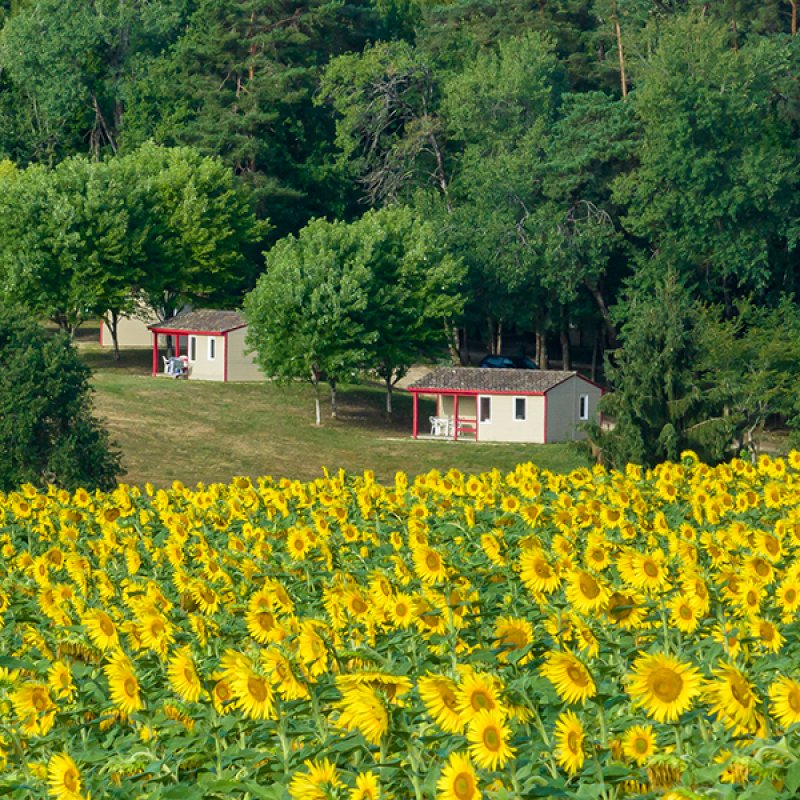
column 718, row 162
column 414, row 293
column 657, row 403
column 48, row 433
column 306, row 314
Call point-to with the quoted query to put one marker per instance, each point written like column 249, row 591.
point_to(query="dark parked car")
column 508, row 362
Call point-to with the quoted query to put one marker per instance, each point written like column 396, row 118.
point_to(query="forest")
column 616, row 180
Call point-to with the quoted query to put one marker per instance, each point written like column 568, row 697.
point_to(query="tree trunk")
column 113, row 326
column 541, row 348
column 611, row 329
column 389, row 387
column 735, row 36
column 463, row 345
column 453, row 344
column 794, row 17
column 622, row 79
column 315, row 383
column 564, row 336
column 499, row 343
column 490, row 340
column 334, row 408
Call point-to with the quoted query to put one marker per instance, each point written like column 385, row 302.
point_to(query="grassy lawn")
column 196, row 431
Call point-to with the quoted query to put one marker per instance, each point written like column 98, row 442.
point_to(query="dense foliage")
column 48, row 433
column 599, row 634
column 567, row 153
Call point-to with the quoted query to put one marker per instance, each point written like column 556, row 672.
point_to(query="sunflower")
column 102, row 630
column 264, row 626
column 183, row 677
column 685, row 611
column 766, row 635
column 536, row 572
column 477, row 692
column 363, row 710
column 458, row 780
column 59, row 679
column 282, row 675
column 428, row 564
column 206, row 597
column 155, row 633
column 298, row 543
column 639, row 743
column 438, row 693
column 222, row 696
column 732, row 698
column 123, row 683
column 252, row 692
column 788, row 598
column 570, row 678
column 366, row 788
column 316, row 782
column 311, row 647
column 626, row 609
column 488, row 739
column 35, row 707
column 785, row 697
column 401, row 610
column 63, row 778
column 663, row 686
column 585, row 593
column 511, row 635
column 569, row 736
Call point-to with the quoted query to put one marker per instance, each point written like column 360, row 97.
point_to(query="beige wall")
column 131, row 333
column 503, row 427
column 202, row 368
column 563, row 409
column 241, row 366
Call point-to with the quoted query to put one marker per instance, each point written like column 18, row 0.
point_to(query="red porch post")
column 416, row 414
column 455, row 417
column 155, row 354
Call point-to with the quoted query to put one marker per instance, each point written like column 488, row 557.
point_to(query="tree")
column 306, row 315
column 89, row 238
column 718, row 162
column 657, row 402
column 750, row 373
column 47, row 431
column 413, row 292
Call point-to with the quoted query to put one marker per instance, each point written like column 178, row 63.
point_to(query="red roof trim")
column 183, row 332
column 433, row 390
column 471, row 392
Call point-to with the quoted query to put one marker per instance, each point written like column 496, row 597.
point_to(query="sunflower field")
column 592, row 635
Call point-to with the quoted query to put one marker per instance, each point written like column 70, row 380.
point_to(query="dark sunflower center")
column 492, row 739
column 257, row 689
column 577, row 675
column 666, row 684
column 588, row 586
column 463, row 786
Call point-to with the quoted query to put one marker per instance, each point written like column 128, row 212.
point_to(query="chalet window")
column 485, row 409
column 212, row 348
column 520, row 410
column 192, row 348
column 583, row 406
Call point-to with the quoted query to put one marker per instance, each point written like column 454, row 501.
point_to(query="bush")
column 47, row 431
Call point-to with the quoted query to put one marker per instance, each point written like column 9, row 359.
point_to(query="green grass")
column 196, row 431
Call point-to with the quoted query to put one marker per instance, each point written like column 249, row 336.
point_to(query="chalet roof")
column 203, row 320
column 485, row 380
